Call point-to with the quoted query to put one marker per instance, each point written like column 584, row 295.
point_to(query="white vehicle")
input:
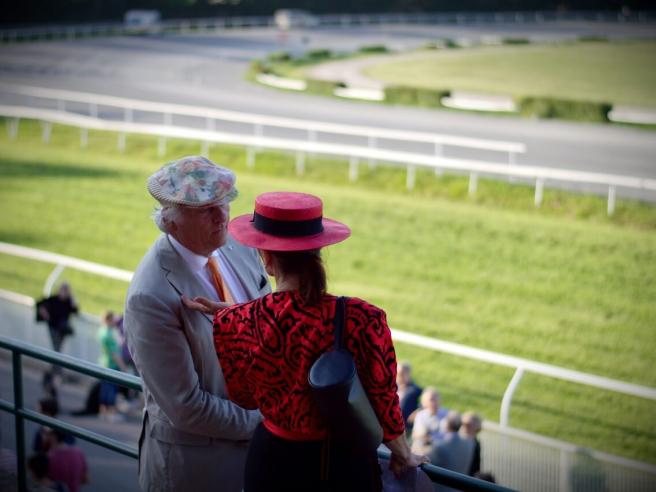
column 287, row 19
column 142, row 20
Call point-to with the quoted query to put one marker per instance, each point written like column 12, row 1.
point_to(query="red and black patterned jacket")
column 267, row 346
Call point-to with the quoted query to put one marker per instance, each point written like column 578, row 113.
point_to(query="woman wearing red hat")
column 267, row 346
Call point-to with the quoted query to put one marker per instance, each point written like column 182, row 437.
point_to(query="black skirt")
column 277, row 464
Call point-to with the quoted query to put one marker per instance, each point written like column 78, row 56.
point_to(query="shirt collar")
column 196, row 262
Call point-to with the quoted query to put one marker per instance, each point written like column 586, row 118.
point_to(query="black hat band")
column 287, row 228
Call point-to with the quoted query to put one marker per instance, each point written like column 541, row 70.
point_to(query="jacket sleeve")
column 160, row 349
column 370, row 340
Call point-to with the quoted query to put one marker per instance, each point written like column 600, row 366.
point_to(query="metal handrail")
column 19, row 349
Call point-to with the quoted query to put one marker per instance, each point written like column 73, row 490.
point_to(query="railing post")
column 410, row 177
column 611, row 200
column 161, row 146
column 19, row 421
column 121, row 142
column 300, row 163
column 371, row 143
column 250, row 158
column 46, row 131
column 539, row 190
column 504, row 417
column 353, row 169
column 12, row 128
column 473, row 183
column 52, row 278
column 205, row 148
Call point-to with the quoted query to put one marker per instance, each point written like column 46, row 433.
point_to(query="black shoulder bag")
column 338, row 392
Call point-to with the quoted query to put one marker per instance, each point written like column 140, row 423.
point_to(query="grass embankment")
column 575, row 289
column 613, row 72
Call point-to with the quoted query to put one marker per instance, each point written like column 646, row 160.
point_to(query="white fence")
column 201, row 25
column 354, row 154
column 312, row 129
column 518, row 459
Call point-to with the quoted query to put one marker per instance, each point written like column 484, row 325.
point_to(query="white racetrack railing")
column 353, row 153
column 167, row 110
column 521, row 365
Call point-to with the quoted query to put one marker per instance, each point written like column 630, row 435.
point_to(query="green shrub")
column 593, row 39
column 259, row 66
column 450, row 43
column 322, row 87
column 319, row 54
column 414, row 96
column 373, row 48
column 549, row 107
column 515, row 41
column 279, row 56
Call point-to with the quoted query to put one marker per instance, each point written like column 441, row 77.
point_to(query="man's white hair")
column 165, row 214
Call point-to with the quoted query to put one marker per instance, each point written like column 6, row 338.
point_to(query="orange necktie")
column 221, row 289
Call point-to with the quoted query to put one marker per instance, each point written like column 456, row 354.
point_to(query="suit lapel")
column 183, row 280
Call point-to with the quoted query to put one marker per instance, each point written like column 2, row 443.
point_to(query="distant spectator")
column 471, row 426
column 408, row 393
column 56, row 311
column 453, row 452
column 66, row 463
column 38, row 465
column 50, row 408
column 110, row 357
column 426, row 428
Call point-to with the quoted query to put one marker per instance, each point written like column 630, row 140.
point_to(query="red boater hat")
column 287, row 221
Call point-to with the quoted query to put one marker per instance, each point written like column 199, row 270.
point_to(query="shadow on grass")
column 31, row 169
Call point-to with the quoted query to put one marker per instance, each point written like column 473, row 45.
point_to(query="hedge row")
column 414, row 96
column 549, row 107
column 322, row 87
column 535, row 107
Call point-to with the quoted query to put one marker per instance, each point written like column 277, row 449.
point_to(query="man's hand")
column 203, row 304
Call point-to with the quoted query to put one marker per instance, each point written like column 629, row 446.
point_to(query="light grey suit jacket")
column 193, row 438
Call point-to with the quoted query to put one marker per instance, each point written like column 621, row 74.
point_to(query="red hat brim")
column 242, row 229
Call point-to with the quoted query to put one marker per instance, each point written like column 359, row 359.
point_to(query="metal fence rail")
column 19, row 349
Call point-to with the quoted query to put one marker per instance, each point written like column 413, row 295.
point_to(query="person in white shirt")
column 193, row 437
column 428, row 428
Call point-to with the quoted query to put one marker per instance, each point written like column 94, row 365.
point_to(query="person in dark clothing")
column 56, row 311
column 38, row 465
column 50, row 408
column 471, row 426
column 408, row 392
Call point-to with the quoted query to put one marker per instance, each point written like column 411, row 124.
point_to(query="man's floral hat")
column 193, row 181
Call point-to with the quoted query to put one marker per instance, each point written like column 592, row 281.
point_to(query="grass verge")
column 563, row 284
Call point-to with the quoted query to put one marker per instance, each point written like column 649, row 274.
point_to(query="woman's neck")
column 284, row 284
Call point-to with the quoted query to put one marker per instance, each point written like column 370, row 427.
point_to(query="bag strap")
column 339, row 321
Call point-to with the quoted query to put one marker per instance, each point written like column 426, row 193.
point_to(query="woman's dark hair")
column 308, row 266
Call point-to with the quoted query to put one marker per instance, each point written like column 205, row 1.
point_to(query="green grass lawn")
column 563, row 284
column 614, row 72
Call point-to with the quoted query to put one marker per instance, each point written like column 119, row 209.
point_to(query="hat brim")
column 242, row 229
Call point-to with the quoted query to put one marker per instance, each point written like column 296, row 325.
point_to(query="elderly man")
column 193, row 437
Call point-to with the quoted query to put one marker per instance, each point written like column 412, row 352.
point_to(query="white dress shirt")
column 198, row 265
